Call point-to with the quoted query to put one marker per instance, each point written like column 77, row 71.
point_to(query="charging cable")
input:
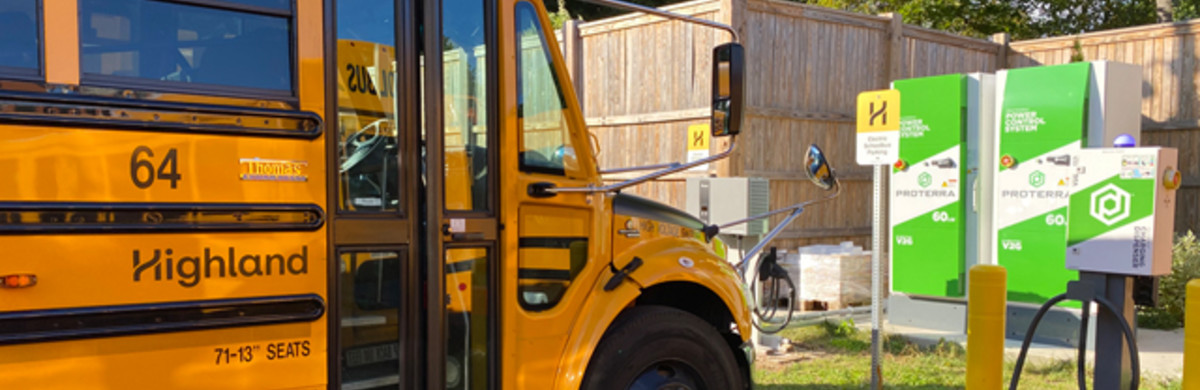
column 769, row 269
column 1081, row 376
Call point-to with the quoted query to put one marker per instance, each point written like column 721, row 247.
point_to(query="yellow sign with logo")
column 878, row 111
column 698, row 138
column 878, row 117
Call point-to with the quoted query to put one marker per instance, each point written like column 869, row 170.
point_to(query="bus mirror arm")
column 638, row 168
column 667, row 169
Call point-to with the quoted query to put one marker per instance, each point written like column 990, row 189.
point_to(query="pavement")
column 1160, row 352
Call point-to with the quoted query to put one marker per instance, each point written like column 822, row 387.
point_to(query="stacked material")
column 833, row 276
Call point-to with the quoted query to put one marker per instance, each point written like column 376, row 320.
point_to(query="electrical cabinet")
column 716, row 200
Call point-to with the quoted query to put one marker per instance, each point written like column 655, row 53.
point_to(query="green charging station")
column 926, row 196
column 932, row 197
column 985, row 176
column 1044, row 116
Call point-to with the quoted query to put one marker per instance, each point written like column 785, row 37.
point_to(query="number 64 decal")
column 141, row 167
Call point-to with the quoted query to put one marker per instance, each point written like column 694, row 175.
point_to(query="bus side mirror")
column 818, row 168
column 728, row 89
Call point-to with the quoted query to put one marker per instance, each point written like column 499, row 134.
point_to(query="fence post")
column 893, row 70
column 895, row 56
column 1191, row 337
column 986, row 305
column 1001, row 39
column 573, row 55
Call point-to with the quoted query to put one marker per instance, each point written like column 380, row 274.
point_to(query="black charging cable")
column 1081, row 376
column 768, row 269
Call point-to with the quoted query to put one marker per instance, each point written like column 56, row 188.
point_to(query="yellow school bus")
column 331, row 194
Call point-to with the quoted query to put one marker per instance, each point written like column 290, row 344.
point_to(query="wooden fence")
column 643, row 80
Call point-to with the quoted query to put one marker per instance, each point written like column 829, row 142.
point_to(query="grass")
column 837, row 356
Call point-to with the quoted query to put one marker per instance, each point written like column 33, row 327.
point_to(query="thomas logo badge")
column 258, row 169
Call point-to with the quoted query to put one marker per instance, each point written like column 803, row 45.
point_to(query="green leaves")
column 1185, row 259
column 1023, row 19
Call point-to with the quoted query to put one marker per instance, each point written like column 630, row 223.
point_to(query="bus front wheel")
column 659, row 347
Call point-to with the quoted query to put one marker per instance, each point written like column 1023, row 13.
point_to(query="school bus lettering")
column 140, row 167
column 275, row 351
column 256, row 169
column 359, row 79
column 188, row 271
column 243, row 354
column 294, row 349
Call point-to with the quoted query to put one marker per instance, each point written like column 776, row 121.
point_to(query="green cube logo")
column 1037, row 178
column 924, row 179
column 1110, row 204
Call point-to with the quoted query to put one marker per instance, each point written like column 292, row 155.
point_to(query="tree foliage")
column 1185, row 266
column 1022, row 19
column 1187, row 9
column 578, row 9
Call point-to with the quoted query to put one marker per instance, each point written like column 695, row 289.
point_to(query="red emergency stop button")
column 18, row 281
column 1007, row 161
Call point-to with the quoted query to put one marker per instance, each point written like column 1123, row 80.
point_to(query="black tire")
column 659, row 347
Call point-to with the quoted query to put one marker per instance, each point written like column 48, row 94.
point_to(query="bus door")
column 415, row 246
column 375, row 201
column 459, row 71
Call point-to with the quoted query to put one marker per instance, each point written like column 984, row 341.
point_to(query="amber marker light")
column 18, row 281
column 1172, row 178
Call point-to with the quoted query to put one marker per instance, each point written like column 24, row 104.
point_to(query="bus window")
column 19, row 29
column 545, row 137
column 464, row 86
column 368, row 166
column 282, row 5
column 466, row 318
column 370, row 318
column 167, row 44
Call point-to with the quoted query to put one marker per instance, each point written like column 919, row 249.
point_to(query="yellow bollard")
column 985, row 327
column 1191, row 337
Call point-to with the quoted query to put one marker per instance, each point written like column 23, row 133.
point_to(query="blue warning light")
column 1124, row 141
